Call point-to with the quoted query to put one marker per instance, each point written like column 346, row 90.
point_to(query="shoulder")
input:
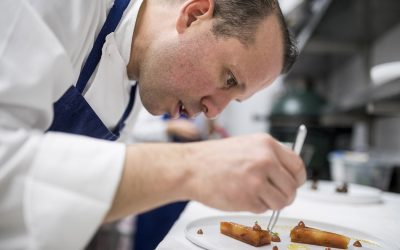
column 75, row 23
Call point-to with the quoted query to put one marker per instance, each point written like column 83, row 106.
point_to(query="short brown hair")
column 240, row 18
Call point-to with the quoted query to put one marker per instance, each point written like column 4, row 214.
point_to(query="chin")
column 152, row 110
column 155, row 112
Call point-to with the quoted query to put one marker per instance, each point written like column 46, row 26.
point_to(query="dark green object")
column 299, row 103
column 304, row 106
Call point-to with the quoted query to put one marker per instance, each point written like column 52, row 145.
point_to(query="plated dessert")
column 340, row 192
column 240, row 232
column 256, row 236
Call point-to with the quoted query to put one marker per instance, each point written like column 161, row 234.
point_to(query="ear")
column 192, row 11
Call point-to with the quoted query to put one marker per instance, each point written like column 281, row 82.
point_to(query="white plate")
column 326, row 191
column 212, row 239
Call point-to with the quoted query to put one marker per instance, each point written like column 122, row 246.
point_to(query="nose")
column 212, row 106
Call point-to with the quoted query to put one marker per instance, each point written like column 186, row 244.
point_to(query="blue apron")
column 152, row 226
column 72, row 113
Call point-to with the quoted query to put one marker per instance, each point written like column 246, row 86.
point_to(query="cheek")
column 195, row 75
column 196, row 84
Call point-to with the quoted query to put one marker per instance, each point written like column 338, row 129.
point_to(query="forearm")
column 154, row 174
column 249, row 173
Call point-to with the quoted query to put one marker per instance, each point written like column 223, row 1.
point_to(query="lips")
column 178, row 110
column 181, row 110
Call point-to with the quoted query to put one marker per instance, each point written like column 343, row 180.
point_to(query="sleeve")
column 149, row 128
column 55, row 188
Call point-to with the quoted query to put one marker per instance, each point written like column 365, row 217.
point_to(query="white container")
column 355, row 167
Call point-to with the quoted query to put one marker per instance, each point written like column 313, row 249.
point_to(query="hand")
column 183, row 129
column 249, row 173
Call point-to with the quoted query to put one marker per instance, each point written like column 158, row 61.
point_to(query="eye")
column 231, row 81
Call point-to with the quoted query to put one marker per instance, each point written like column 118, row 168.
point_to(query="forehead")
column 258, row 64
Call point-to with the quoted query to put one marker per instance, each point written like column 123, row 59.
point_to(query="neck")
column 133, row 64
column 154, row 19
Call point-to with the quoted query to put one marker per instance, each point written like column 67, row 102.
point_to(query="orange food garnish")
column 313, row 236
column 255, row 237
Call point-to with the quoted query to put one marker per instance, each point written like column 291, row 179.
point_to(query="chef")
column 73, row 76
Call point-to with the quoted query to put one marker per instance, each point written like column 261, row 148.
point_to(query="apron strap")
column 113, row 18
column 121, row 123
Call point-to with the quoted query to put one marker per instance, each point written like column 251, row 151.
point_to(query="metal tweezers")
column 297, row 146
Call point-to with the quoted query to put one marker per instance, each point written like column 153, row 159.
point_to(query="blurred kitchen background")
column 345, row 87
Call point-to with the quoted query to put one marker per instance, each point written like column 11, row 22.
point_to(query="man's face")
column 198, row 71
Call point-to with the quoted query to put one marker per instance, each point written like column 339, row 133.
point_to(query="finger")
column 254, row 203
column 259, row 206
column 293, row 163
column 283, row 181
column 272, row 196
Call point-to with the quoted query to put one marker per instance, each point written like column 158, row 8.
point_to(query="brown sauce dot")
column 200, row 231
column 275, row 238
column 256, row 227
column 342, row 188
column 314, row 185
column 274, row 248
column 301, row 224
column 357, row 243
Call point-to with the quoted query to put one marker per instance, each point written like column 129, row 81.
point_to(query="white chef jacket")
column 56, row 188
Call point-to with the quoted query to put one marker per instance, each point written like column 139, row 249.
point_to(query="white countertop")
column 380, row 219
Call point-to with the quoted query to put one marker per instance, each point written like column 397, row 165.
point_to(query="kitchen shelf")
column 386, row 91
column 346, row 30
column 376, row 100
column 351, row 38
